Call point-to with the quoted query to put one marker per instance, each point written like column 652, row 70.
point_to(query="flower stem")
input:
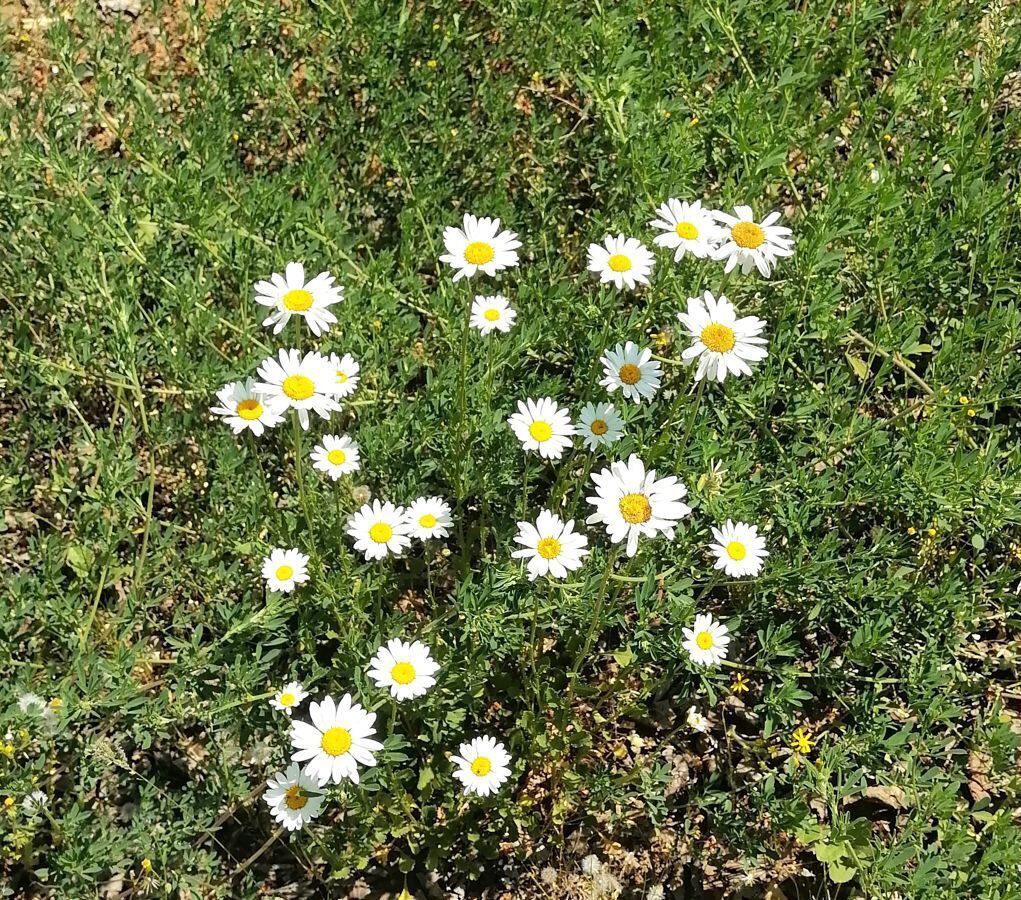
column 299, row 475
column 462, row 403
column 597, row 615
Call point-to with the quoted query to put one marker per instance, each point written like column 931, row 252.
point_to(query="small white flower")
column 739, row 549
column 482, row 766
column 284, row 570
column 336, row 741
column 290, row 696
column 721, row 342
column 407, row 669
column 543, row 426
column 242, row 407
column 379, row 529
column 301, row 383
column 337, row 456
column 622, row 261
column 489, row 313
column 752, row 245
column 696, row 721
column 35, row 802
column 707, row 641
column 634, row 372
column 289, row 295
column 591, row 865
column 551, row 546
column 293, row 798
column 656, row 892
column 631, row 502
column 429, row 517
column 479, row 246
column 687, row 228
column 601, row 425
column 345, row 371
column 31, row 704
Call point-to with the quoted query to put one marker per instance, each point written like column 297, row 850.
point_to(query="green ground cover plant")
column 859, row 735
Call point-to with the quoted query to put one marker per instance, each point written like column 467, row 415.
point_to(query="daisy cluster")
column 630, row 501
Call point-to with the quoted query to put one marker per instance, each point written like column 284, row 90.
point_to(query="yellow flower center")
column 481, row 766
column 250, row 409
column 341, row 377
column 718, row 338
column 635, row 508
column 284, row 573
column 629, row 373
column 287, row 699
column 747, row 235
column 619, row 262
column 491, row 315
column 736, row 550
column 427, row 521
column 598, row 426
column 298, row 387
column 704, row 640
column 336, row 741
column 403, row 673
column 540, row 431
column 381, row 532
column 548, row 548
column 686, row 230
column 478, row 253
column 297, row 300
column 336, row 457
column 295, row 797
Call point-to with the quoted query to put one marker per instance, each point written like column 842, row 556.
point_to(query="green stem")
column 597, row 614
column 462, row 403
column 524, row 487
column 300, row 477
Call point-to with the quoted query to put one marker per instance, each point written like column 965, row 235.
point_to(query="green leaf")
column 839, row 873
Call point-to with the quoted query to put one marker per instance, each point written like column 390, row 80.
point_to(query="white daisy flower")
column 631, row 502
column 346, row 374
column 337, row 456
column 379, row 529
column 489, row 313
column 338, row 738
column 543, row 426
column 482, row 766
column 751, row 245
column 289, row 696
column 302, row 383
column 696, row 721
column 242, row 407
column 293, row 798
column 284, row 570
column 551, row 546
column 601, row 425
column 429, row 517
column 707, row 641
column 722, row 343
column 35, row 802
column 633, row 371
column 687, row 228
column 739, row 550
column 406, row 668
column 288, row 295
column 624, row 261
column 479, row 246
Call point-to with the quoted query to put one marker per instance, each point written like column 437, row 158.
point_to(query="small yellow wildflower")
column 56, row 703
column 432, row 64
column 147, row 865
column 911, row 529
column 693, row 122
column 666, row 113
column 931, row 532
column 801, row 741
column 964, row 399
column 7, row 750
column 971, row 412
column 8, row 802
column 739, row 685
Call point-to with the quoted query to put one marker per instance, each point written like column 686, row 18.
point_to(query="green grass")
column 153, row 169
